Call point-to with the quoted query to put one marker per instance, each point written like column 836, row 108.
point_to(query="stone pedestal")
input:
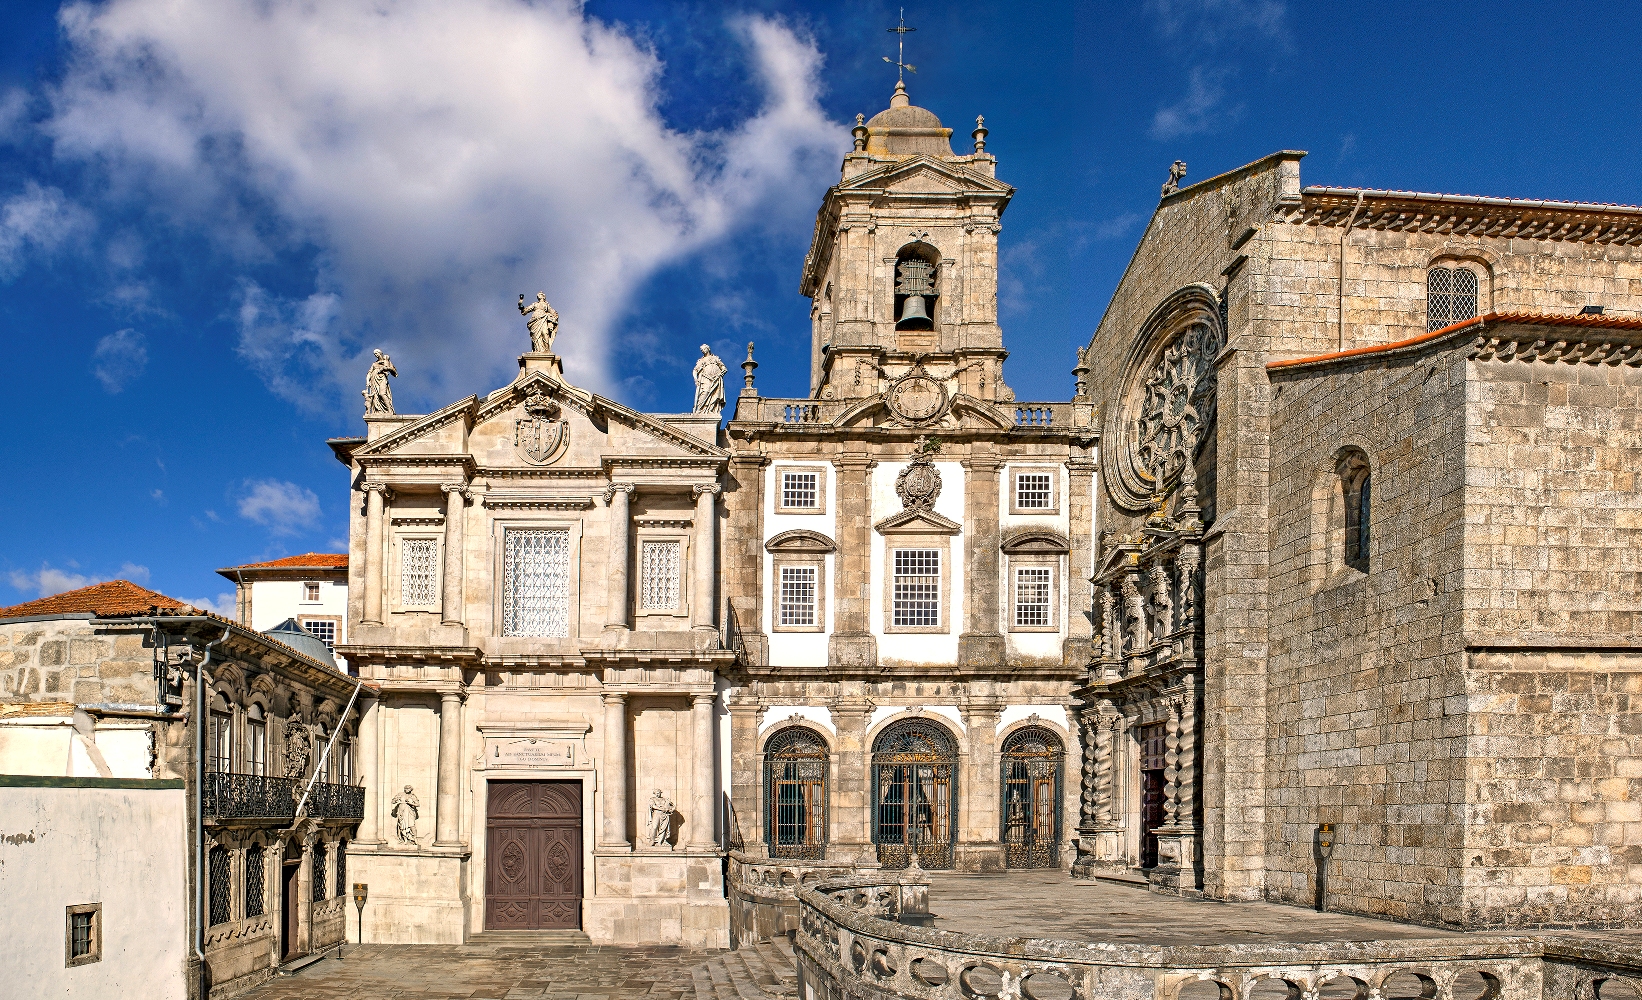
column 1176, row 869
column 658, row 897
column 416, row 896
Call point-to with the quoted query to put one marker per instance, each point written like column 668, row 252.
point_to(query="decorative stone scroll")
column 1165, row 408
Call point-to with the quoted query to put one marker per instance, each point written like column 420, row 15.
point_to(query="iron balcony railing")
column 254, row 796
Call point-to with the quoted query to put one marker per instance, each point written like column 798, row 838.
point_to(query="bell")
column 913, row 316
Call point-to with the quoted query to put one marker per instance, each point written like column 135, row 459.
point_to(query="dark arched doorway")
column 795, row 793
column 1033, row 761
column 915, row 793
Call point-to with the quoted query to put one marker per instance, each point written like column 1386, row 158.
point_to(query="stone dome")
column 906, row 117
column 905, row 130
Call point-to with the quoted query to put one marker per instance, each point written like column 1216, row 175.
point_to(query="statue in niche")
column 407, row 809
column 709, row 376
column 1177, row 173
column 542, row 320
column 661, row 820
column 299, row 746
column 378, row 393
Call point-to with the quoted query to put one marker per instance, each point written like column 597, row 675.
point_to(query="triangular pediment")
column 923, row 173
column 918, row 521
column 420, row 428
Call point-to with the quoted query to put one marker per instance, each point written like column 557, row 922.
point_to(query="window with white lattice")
column 419, row 572
column 660, row 562
column 1034, row 597
column 916, row 588
column 801, row 489
column 536, row 582
column 799, row 591
column 323, row 629
column 1034, row 490
column 1450, row 296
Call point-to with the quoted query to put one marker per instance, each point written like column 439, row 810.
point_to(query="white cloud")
column 1213, row 22
column 120, row 359
column 282, row 507
column 49, row 580
column 1200, row 110
column 223, row 604
column 441, row 158
column 36, row 222
column 14, row 106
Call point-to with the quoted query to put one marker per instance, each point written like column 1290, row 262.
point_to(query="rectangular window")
column 418, row 572
column 798, row 596
column 324, row 630
column 917, row 588
column 255, row 870
column 536, row 582
column 83, row 934
column 1033, row 492
column 658, row 576
column 220, row 865
column 310, row 592
column 344, row 761
column 1032, row 595
column 258, row 756
column 222, row 745
column 800, row 490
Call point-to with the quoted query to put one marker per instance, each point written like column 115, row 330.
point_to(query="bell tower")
column 904, row 261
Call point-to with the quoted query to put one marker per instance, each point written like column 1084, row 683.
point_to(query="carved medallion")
column 540, row 435
column 918, row 397
column 919, row 484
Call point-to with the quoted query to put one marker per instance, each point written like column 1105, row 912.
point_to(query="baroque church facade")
column 1331, row 547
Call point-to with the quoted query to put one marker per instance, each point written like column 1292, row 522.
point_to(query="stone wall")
column 65, row 659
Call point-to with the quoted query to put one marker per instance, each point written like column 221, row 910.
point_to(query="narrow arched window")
column 795, row 794
column 256, row 868
column 1450, row 296
column 1358, row 487
column 319, row 872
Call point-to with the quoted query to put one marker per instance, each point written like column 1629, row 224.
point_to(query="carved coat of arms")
column 919, row 484
column 540, row 435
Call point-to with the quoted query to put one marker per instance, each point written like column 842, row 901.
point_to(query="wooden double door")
column 533, row 855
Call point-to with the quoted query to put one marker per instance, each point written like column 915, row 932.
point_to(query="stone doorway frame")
column 588, row 777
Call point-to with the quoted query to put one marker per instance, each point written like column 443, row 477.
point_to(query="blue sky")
column 212, row 210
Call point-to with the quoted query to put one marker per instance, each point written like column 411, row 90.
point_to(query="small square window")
column 801, row 490
column 323, row 629
column 1032, row 491
column 798, row 596
column 83, row 935
column 310, row 592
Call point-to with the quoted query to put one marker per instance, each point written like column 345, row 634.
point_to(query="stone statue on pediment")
column 542, row 320
column 1177, row 173
column 378, row 393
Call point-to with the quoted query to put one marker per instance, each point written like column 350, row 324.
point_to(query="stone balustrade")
column 853, row 940
column 763, row 892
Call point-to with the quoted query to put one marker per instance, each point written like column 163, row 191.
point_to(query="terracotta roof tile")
column 1512, row 318
column 116, row 597
column 308, row 560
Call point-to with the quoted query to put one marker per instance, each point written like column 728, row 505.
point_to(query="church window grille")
column 536, row 582
column 256, row 757
column 917, row 588
column 800, row 490
column 84, row 932
column 1032, row 596
column 342, row 868
column 319, row 872
column 915, row 792
column 222, row 742
column 419, row 572
column 1033, row 491
column 255, row 871
column 659, row 575
column 323, row 629
column 1450, row 296
column 795, row 794
column 1359, row 497
column 798, row 595
column 219, row 863
column 1033, row 764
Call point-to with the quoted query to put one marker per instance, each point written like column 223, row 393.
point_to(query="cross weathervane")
column 901, row 50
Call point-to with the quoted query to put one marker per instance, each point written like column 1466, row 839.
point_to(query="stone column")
column 747, row 824
column 706, row 552
column 366, row 749
column 981, row 844
column 705, row 792
column 852, row 785
column 450, row 604
column 614, row 779
column 618, row 498
column 852, row 643
column 981, row 643
column 375, row 502
column 1079, row 650
column 447, row 828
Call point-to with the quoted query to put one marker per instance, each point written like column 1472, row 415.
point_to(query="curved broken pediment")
column 801, row 540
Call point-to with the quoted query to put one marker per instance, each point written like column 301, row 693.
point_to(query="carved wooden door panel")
column 533, row 864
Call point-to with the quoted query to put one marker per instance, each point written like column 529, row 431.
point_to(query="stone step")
column 762, row 971
column 532, row 939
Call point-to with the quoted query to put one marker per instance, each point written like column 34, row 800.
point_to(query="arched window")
column 795, row 794
column 1357, row 493
column 255, row 870
column 1033, row 759
column 342, row 868
column 915, row 789
column 1450, row 296
column 222, row 736
column 256, row 745
column 915, row 287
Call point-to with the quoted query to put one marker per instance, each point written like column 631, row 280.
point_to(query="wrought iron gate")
column 914, row 786
column 795, row 794
column 1033, row 761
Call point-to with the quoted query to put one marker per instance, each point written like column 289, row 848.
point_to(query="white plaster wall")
column 1033, row 644
column 798, row 649
column 38, row 746
column 273, row 601
column 918, row 647
column 123, row 848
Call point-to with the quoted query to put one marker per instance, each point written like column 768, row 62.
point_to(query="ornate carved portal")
column 914, row 787
column 533, row 865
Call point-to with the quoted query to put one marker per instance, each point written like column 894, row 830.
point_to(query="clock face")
column 917, row 398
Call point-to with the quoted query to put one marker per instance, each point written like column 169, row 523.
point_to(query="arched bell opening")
column 916, row 293
column 1033, row 763
column 915, row 794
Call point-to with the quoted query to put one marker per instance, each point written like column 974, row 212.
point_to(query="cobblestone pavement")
column 497, row 972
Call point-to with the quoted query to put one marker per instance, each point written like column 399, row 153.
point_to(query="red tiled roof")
column 116, row 597
column 308, row 560
column 1515, row 318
